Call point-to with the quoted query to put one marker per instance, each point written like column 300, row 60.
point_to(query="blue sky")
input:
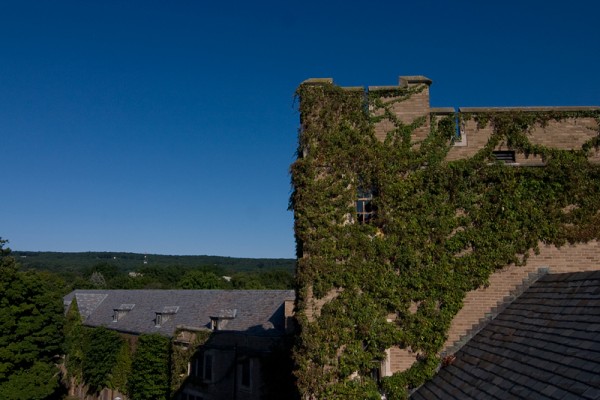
column 169, row 127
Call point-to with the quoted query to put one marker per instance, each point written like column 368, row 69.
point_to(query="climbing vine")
column 182, row 355
column 439, row 229
column 150, row 373
column 100, row 355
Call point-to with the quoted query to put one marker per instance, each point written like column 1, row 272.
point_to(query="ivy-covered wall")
column 436, row 227
column 98, row 359
column 101, row 363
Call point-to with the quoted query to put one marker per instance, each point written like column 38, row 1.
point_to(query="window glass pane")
column 208, row 367
column 246, row 372
column 359, row 206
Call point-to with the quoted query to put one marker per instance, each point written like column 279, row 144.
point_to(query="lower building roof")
column 256, row 312
column 545, row 345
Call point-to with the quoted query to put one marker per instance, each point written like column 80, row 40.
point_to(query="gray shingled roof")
column 545, row 345
column 258, row 312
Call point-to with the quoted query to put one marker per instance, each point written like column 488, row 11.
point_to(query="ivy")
column 74, row 345
column 181, row 356
column 100, row 356
column 122, row 368
column 440, row 230
column 150, row 376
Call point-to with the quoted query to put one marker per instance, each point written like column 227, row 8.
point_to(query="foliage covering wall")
column 101, row 358
column 440, row 229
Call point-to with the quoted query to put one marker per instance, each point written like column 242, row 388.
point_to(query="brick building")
column 565, row 128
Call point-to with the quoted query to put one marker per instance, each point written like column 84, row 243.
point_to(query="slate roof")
column 545, row 345
column 257, row 312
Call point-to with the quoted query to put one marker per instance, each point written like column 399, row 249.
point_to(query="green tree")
column 149, row 379
column 31, row 321
column 40, row 381
column 247, row 281
column 97, row 280
column 200, row 279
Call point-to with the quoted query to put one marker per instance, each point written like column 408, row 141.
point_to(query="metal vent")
column 505, row 156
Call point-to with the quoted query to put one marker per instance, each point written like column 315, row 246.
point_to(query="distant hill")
column 58, row 261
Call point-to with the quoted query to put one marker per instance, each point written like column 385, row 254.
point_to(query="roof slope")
column 545, row 345
column 256, row 312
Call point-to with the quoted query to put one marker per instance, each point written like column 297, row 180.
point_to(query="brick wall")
column 481, row 305
column 568, row 134
column 480, row 302
column 408, row 110
column 397, row 360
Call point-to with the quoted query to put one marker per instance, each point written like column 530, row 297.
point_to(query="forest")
column 117, row 270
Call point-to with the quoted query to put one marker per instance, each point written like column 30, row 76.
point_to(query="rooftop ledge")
column 528, row 109
column 451, row 110
column 442, row 110
column 317, row 81
column 403, row 81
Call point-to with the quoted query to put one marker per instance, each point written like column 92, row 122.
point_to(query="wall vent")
column 505, row 156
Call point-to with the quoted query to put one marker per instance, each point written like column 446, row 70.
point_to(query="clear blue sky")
column 169, row 126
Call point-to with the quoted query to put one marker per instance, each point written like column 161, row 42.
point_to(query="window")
column 460, row 138
column 202, row 367
column 221, row 319
column 190, row 396
column 505, row 156
column 365, row 210
column 121, row 311
column 208, row 367
column 375, row 373
column 245, row 369
column 197, row 367
column 165, row 315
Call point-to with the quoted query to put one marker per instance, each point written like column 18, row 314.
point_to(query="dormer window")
column 165, row 315
column 222, row 318
column 121, row 311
